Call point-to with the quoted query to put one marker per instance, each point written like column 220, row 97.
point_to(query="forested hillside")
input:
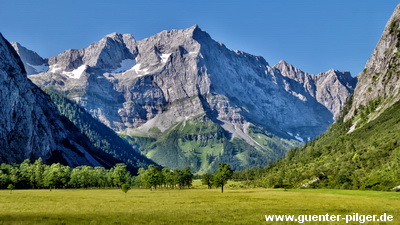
column 368, row 158
column 99, row 134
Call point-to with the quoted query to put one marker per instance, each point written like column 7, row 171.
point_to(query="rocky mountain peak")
column 288, row 70
column 330, row 88
column 127, row 39
column 106, row 54
column 10, row 61
column 114, row 35
column 379, row 82
column 33, row 63
column 284, row 65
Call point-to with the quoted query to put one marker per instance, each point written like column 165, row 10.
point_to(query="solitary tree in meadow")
column 125, row 188
column 11, row 188
column 223, row 174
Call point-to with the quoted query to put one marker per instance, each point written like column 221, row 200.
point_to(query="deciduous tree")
column 223, row 174
column 207, row 179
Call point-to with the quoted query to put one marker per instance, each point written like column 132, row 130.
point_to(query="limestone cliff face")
column 331, row 88
column 30, row 126
column 33, row 63
column 380, row 78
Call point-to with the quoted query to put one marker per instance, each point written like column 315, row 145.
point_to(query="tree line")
column 38, row 175
column 154, row 178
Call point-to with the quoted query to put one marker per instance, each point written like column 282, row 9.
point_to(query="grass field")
column 194, row 206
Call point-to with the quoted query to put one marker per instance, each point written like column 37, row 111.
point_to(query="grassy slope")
column 194, row 206
column 201, row 144
column 368, row 158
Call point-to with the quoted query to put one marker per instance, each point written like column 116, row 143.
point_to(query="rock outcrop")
column 380, row 80
column 33, row 63
column 331, row 88
column 30, row 126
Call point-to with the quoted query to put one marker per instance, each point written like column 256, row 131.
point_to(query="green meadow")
column 190, row 206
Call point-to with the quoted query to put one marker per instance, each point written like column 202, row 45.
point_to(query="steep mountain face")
column 330, row 89
column 361, row 150
column 30, row 125
column 33, row 63
column 380, row 80
column 164, row 85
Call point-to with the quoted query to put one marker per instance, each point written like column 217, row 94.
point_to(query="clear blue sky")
column 314, row 35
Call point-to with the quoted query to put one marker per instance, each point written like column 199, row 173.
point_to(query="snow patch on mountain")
column 54, row 68
column 76, row 73
column 299, row 138
column 299, row 96
column 164, row 57
column 138, row 70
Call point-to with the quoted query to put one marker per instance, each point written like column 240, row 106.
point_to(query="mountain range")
column 184, row 99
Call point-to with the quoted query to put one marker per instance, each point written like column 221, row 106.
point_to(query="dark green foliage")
column 223, row 174
column 120, row 175
column 364, row 111
column 393, row 26
column 208, row 179
column 252, row 174
column 153, row 177
column 187, row 177
column 38, row 175
column 86, row 176
column 367, row 158
column 125, row 188
column 99, row 134
column 10, row 187
column 140, row 143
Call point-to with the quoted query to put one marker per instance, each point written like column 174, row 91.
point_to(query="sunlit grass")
column 194, row 206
